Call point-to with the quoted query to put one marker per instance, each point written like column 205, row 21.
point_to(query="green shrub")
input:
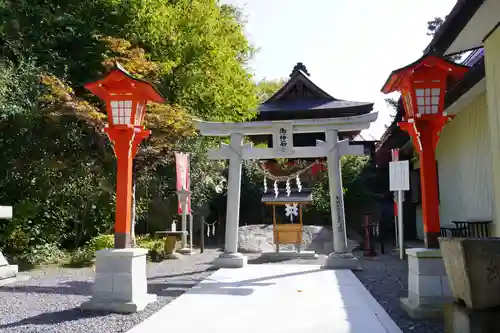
column 81, row 257
column 41, row 254
column 149, row 243
column 102, row 242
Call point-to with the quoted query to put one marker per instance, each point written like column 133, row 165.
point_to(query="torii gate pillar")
column 339, row 258
column 231, row 258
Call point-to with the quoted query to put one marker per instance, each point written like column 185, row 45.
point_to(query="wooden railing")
column 470, row 228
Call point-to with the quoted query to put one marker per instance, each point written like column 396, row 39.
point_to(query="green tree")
column 59, row 170
column 433, row 27
column 19, row 88
column 266, row 88
column 358, row 184
column 198, row 46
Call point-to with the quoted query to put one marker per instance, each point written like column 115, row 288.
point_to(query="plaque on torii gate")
column 282, row 131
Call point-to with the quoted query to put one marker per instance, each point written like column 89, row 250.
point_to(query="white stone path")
column 273, row 299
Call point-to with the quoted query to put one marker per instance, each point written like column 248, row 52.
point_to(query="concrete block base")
column 8, row 272
column 230, row 260
column 428, row 288
column 186, row 251
column 120, row 281
column 119, row 306
column 17, row 278
column 284, row 255
column 342, row 261
column 173, row 256
column 460, row 319
column 420, row 312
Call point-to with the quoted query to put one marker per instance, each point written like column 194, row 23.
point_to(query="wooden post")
column 430, row 198
column 276, row 235
column 301, row 229
column 202, row 234
column 122, row 144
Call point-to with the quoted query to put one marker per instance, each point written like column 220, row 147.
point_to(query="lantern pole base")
column 342, row 261
column 431, row 240
column 122, row 240
column 120, row 282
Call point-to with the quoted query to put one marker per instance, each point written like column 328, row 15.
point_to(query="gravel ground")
column 50, row 300
column 386, row 278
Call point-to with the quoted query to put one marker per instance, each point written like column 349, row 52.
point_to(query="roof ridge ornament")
column 299, row 67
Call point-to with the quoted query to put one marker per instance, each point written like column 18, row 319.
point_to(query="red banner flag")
column 395, row 154
column 182, row 171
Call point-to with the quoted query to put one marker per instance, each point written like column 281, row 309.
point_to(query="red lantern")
column 126, row 98
column 423, row 86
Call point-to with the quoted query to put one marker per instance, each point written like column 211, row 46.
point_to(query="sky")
column 348, row 46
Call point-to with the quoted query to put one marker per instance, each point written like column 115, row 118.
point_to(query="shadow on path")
column 50, row 318
column 65, row 288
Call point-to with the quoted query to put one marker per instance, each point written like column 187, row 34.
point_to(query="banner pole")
column 400, row 225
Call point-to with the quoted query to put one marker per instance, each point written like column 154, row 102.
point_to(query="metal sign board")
column 399, row 176
column 5, row 212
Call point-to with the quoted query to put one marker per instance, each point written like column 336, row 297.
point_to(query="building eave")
column 455, row 22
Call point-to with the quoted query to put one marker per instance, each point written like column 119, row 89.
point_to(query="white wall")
column 464, row 162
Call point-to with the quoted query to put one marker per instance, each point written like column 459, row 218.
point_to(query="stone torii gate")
column 282, row 132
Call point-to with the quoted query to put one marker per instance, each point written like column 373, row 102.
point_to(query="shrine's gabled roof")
column 301, row 98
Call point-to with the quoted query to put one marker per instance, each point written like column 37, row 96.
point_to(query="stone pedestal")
column 288, row 255
column 459, row 319
column 230, row 260
column 342, row 261
column 8, row 272
column 120, row 281
column 428, row 288
column 185, row 250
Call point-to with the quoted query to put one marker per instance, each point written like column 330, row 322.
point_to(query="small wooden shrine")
column 288, row 225
column 299, row 98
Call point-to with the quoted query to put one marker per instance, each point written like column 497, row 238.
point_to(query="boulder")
column 258, row 238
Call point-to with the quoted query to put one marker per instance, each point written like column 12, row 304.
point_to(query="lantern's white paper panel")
column 399, row 176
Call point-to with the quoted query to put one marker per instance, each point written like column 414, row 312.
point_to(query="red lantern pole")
column 122, row 140
column 423, row 85
column 429, row 188
column 126, row 98
column 125, row 142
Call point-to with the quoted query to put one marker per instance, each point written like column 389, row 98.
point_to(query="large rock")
column 258, row 238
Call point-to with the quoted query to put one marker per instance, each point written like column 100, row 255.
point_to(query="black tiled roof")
column 301, row 105
column 301, row 98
